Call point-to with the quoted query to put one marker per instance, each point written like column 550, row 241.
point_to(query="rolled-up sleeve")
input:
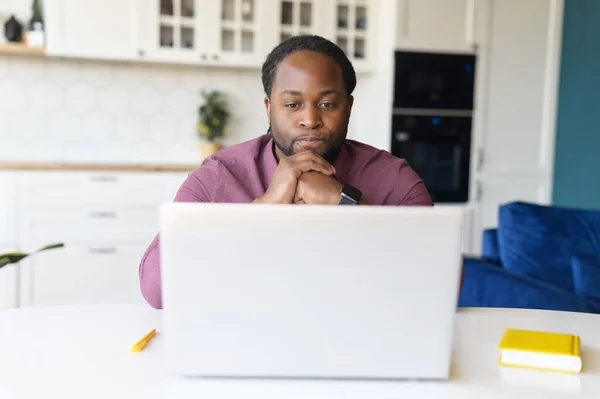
column 197, row 187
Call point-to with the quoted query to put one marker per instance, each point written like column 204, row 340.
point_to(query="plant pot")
column 208, row 148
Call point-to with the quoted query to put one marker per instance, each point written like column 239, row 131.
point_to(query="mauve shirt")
column 242, row 173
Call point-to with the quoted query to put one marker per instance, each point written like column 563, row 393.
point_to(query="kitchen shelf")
column 21, row 49
column 34, row 166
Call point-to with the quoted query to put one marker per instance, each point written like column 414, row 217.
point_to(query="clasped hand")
column 303, row 178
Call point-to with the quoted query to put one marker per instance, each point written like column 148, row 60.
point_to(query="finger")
column 310, row 164
column 310, row 155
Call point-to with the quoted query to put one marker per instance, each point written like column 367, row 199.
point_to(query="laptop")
column 325, row 292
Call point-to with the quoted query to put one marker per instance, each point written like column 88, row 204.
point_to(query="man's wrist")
column 336, row 195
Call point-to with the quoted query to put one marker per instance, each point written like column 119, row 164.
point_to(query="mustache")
column 311, row 134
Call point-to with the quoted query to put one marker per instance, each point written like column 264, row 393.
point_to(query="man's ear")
column 268, row 108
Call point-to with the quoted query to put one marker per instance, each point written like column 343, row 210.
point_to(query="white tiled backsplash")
column 98, row 112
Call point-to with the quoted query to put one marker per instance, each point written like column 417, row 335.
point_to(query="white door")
column 238, row 31
column 8, row 208
column 514, row 124
column 352, row 25
column 172, row 30
column 99, row 29
column 437, row 25
column 98, row 273
column 9, row 278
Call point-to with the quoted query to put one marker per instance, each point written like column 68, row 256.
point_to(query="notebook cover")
column 540, row 342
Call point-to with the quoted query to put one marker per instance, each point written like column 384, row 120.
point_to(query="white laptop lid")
column 309, row 291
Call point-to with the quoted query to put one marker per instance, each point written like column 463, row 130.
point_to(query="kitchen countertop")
column 97, row 167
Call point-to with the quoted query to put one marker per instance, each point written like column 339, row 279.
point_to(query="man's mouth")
column 310, row 140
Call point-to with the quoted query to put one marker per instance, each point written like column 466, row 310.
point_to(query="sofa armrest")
column 489, row 246
column 487, row 285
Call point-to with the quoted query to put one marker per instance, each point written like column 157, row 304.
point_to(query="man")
column 305, row 157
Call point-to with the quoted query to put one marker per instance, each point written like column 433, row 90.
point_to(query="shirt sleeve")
column 197, row 187
column 417, row 195
column 412, row 188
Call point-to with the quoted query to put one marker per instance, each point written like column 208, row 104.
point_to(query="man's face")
column 309, row 108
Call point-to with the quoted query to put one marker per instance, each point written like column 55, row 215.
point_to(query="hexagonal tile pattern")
column 64, row 126
column 80, row 98
column 114, row 99
column 26, row 72
column 131, row 129
column 62, row 73
column 182, row 103
column 26, row 126
column 59, row 110
column 146, row 101
column 44, row 97
column 163, row 130
column 3, row 65
column 95, row 75
column 98, row 127
column 12, row 97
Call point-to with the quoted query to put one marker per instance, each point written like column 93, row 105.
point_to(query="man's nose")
column 311, row 118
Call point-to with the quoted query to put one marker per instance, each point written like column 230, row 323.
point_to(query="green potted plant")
column 212, row 122
column 14, row 257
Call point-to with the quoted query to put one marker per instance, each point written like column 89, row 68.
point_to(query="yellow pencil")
column 141, row 344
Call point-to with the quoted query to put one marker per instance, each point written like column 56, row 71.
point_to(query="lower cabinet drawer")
column 77, row 225
column 9, row 280
column 82, row 275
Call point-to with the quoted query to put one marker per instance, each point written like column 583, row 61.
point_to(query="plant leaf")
column 51, row 246
column 15, row 257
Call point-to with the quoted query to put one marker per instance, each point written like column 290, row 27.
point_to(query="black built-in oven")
column 432, row 116
column 434, row 80
column 438, row 149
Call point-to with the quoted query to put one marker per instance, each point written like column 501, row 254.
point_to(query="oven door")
column 438, row 150
column 434, row 81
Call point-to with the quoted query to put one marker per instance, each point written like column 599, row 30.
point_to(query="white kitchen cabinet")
column 9, row 278
column 106, row 221
column 211, row 32
column 8, row 209
column 514, row 126
column 440, row 25
column 96, row 29
column 86, row 274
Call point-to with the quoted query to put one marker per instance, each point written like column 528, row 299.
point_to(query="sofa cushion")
column 586, row 280
column 487, row 285
column 539, row 241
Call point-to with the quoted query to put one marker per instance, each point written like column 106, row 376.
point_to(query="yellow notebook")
column 540, row 350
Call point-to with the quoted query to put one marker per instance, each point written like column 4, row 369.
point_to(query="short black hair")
column 307, row 43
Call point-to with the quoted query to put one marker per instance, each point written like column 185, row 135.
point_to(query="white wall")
column 75, row 111
column 79, row 111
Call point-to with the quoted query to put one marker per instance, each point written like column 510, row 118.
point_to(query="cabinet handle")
column 103, row 250
column 141, row 53
column 103, row 215
column 103, row 179
column 203, row 56
column 215, row 57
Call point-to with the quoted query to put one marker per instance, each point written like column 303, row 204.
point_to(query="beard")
column 330, row 152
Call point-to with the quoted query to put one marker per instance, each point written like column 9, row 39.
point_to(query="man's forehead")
column 309, row 68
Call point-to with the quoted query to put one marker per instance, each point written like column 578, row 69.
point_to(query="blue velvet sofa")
column 538, row 257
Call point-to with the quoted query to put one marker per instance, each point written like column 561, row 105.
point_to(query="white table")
column 84, row 352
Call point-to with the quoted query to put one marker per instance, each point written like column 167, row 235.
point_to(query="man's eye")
column 327, row 105
column 291, row 105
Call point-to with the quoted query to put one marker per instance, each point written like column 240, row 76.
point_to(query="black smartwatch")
column 350, row 195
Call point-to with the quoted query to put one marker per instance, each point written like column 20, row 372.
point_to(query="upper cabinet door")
column 440, row 25
column 170, row 30
column 100, row 29
column 350, row 24
column 234, row 32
